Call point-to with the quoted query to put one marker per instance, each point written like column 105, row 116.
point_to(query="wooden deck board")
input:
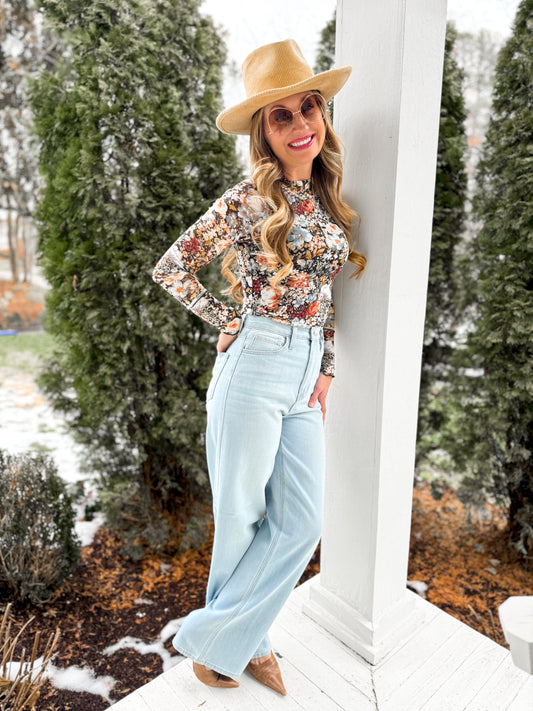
column 523, row 701
column 193, row 694
column 160, row 695
column 353, row 668
column 443, row 666
column 460, row 688
column 330, row 689
column 406, row 660
column 431, row 673
column 500, row 689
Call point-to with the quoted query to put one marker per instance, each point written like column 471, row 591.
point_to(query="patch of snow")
column 170, row 629
column 14, row 669
column 72, row 678
column 418, row 587
column 155, row 647
column 29, row 424
column 81, row 679
column 86, row 530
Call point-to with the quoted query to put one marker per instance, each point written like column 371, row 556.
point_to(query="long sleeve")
column 328, row 359
column 208, row 237
column 317, row 246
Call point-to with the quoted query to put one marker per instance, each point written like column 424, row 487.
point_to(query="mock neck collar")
column 300, row 187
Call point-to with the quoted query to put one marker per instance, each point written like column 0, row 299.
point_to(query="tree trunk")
column 521, row 503
column 26, row 256
column 12, row 241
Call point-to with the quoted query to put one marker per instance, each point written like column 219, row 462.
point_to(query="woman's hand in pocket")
column 224, row 341
column 320, row 392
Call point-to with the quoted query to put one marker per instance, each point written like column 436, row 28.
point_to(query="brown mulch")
column 102, row 603
column 465, row 561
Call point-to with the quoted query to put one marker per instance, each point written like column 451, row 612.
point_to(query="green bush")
column 490, row 433
column 38, row 544
column 130, row 157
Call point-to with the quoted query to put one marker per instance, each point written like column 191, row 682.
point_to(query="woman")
column 286, row 229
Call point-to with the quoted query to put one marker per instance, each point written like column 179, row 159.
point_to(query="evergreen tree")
column 492, row 434
column 448, row 222
column 325, row 57
column 130, row 157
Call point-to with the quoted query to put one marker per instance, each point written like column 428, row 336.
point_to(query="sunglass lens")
column 281, row 117
column 310, row 109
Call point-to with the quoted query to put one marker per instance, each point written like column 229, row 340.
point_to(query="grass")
column 24, row 351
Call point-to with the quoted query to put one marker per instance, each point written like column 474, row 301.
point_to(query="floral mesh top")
column 318, row 247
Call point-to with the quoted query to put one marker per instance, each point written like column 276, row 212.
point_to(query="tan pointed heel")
column 209, row 677
column 268, row 673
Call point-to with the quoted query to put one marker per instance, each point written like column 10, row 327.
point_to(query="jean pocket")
column 220, row 362
column 263, row 343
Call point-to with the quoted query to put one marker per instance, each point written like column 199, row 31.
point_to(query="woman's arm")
column 327, row 367
column 211, row 235
column 328, row 359
column 320, row 392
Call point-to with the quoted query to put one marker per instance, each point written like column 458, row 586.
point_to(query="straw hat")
column 273, row 72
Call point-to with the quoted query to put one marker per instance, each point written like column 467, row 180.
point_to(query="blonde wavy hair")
column 271, row 233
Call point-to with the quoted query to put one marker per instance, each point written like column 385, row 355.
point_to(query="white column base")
column 373, row 640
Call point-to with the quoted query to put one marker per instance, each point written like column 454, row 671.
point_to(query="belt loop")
column 293, row 335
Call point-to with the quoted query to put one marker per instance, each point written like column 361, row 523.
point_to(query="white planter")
column 516, row 617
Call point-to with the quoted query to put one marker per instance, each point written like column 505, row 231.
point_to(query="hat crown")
column 272, row 73
column 274, row 66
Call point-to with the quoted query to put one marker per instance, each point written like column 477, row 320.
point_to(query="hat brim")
column 238, row 119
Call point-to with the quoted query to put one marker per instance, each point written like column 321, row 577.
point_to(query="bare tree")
column 25, row 47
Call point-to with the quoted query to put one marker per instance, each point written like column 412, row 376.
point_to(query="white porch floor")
column 444, row 666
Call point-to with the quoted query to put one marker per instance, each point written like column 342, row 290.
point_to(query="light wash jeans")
column 265, row 452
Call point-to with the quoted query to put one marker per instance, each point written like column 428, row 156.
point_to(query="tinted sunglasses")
column 312, row 109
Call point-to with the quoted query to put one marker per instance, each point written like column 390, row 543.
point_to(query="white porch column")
column 388, row 117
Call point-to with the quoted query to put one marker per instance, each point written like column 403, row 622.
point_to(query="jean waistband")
column 308, row 333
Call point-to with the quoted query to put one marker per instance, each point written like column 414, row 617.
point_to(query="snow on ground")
column 418, row 586
column 29, row 424
column 12, row 670
column 87, row 529
column 84, row 680
column 79, row 679
column 155, row 647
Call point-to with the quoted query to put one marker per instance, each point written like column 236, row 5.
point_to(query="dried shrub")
column 38, row 544
column 19, row 691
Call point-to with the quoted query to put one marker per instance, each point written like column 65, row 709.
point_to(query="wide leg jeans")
column 265, row 452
